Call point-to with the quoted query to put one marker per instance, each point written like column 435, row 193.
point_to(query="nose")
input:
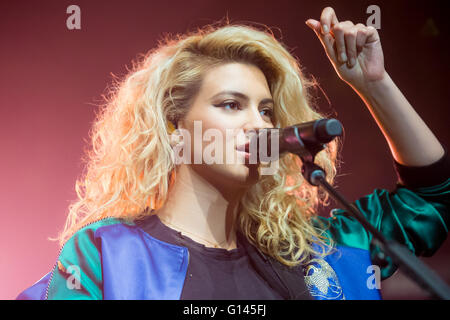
column 255, row 120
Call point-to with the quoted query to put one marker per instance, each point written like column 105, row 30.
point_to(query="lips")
column 244, row 147
column 245, row 150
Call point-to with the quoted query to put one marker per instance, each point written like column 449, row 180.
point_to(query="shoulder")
column 93, row 229
column 86, row 241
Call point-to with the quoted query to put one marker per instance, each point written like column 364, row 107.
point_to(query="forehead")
column 235, row 77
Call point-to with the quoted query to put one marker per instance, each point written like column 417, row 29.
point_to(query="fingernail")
column 325, row 28
column 343, row 57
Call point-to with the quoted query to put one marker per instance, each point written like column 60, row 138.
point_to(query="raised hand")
column 354, row 50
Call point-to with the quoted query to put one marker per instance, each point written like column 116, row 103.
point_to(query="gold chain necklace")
column 215, row 244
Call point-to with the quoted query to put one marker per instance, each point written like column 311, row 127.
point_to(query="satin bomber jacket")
column 119, row 260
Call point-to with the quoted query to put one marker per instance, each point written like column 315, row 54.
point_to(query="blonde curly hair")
column 130, row 166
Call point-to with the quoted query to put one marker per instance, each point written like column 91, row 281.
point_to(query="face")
column 233, row 99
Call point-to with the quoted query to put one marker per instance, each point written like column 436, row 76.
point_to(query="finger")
column 326, row 40
column 361, row 37
column 314, row 25
column 372, row 34
column 339, row 32
column 328, row 20
column 350, row 45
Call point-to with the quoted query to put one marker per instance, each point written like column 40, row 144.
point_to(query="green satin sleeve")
column 416, row 217
column 77, row 274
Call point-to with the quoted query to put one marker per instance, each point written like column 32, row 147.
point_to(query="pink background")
column 51, row 78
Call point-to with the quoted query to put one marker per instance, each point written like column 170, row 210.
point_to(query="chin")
column 242, row 174
column 236, row 175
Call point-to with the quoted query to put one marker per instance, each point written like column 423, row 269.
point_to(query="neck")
column 200, row 211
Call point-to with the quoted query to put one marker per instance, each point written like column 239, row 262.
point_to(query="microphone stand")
column 406, row 261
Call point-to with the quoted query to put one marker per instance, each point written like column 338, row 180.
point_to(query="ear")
column 181, row 124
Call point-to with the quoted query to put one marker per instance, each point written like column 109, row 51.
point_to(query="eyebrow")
column 241, row 95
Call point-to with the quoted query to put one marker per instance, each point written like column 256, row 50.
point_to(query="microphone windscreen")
column 328, row 129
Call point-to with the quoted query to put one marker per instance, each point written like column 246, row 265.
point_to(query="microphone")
column 303, row 139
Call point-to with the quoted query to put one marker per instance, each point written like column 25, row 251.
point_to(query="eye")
column 230, row 105
column 268, row 112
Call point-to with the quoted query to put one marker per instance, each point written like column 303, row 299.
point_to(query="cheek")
column 209, row 142
column 214, row 124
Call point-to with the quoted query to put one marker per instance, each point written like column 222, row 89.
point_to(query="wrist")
column 375, row 86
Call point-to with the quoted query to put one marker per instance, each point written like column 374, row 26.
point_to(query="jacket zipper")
column 61, row 249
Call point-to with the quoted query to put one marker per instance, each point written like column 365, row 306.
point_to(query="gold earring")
column 170, row 127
